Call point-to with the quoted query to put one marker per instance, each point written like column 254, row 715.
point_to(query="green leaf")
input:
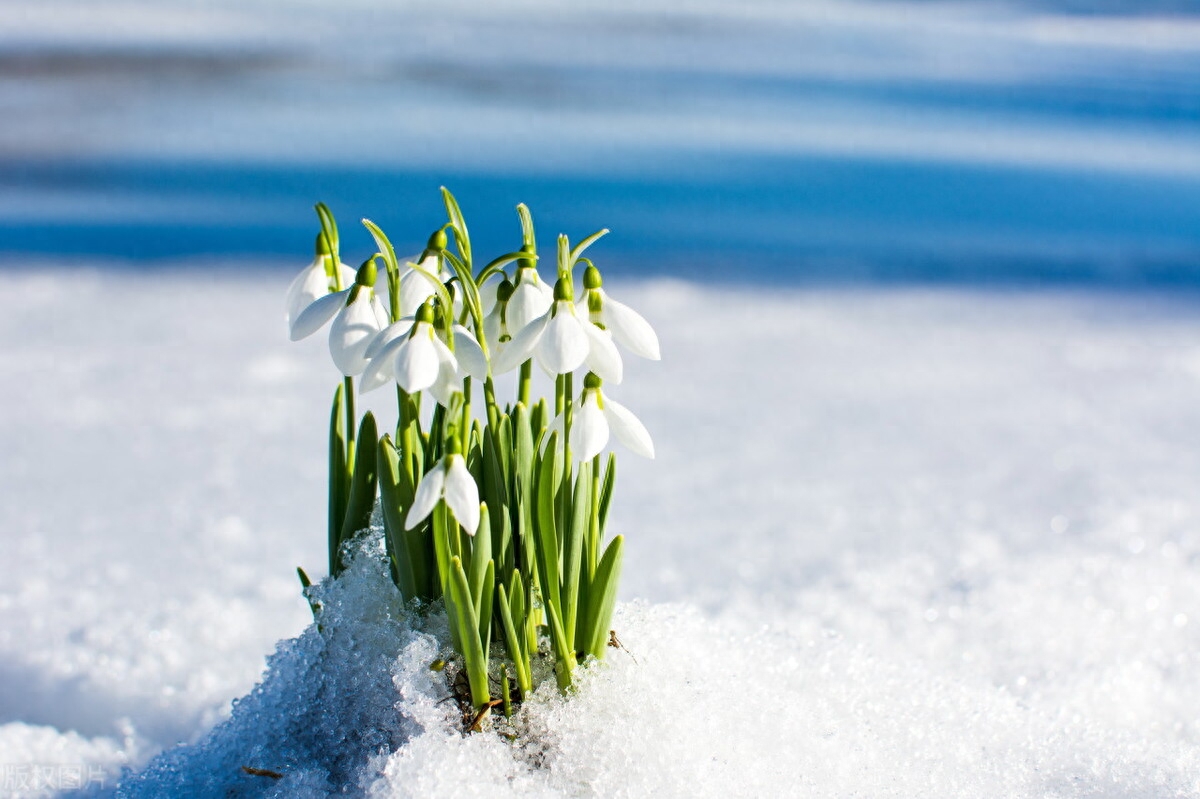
column 573, row 551
column 458, row 223
column 382, row 243
column 603, row 598
column 362, row 486
column 483, row 607
column 513, row 639
column 465, row 619
column 606, row 492
column 547, row 543
column 339, row 478
column 408, row 555
column 527, row 235
column 564, row 653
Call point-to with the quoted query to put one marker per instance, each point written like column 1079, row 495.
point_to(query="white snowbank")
column 935, row 543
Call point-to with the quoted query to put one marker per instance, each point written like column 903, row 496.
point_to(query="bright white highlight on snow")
column 960, row 555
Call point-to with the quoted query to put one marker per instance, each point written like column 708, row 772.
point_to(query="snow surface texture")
column 896, row 543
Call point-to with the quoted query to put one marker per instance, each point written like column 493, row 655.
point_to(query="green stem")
column 351, row 426
column 525, row 383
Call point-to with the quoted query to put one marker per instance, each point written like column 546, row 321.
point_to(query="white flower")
column 313, row 282
column 496, row 322
column 561, row 341
column 416, row 286
column 450, row 480
column 358, row 317
column 530, row 299
column 626, row 325
column 412, row 352
column 594, row 416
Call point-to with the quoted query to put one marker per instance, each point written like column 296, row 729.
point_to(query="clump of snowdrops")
column 497, row 508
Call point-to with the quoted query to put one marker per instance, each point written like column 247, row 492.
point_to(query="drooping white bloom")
column 496, row 329
column 358, row 317
column 561, row 341
column 416, row 286
column 531, row 298
column 627, row 326
column 594, row 416
column 448, row 480
column 313, row 281
column 413, row 353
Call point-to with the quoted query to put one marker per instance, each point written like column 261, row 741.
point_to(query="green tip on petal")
column 425, row 313
column 367, row 273
column 563, row 290
column 592, row 381
column 595, row 302
column 505, row 291
column 591, row 278
column 322, row 246
column 437, row 241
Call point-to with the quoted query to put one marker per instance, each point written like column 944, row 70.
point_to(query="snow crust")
column 896, row 543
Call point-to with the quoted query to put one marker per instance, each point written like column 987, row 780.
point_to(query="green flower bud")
column 367, row 273
column 505, row 291
column 563, row 290
column 591, row 278
column 425, row 313
column 437, row 241
column 592, row 381
column 322, row 246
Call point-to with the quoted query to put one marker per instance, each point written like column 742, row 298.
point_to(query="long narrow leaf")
column 467, row 623
column 603, row 598
column 339, row 478
column 362, row 485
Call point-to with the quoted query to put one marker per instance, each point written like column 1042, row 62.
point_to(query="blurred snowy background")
column 934, row 496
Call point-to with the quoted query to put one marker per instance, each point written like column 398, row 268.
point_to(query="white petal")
column 589, row 429
column 629, row 328
column 381, row 314
column 448, row 379
column 381, row 368
column 429, row 491
column 388, row 335
column 462, row 495
column 492, row 330
column 603, row 358
column 555, row 426
column 520, row 348
column 351, row 334
column 564, row 345
column 416, row 287
column 487, row 293
column 628, row 429
column 417, row 362
column 469, row 354
column 305, row 287
column 529, row 301
column 318, row 312
column 348, row 275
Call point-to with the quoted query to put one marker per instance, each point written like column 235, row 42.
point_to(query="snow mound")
column 854, row 697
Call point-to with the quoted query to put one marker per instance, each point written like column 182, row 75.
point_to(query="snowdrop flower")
column 358, row 317
column 412, row 352
column 451, row 481
column 313, row 282
column 495, row 323
column 416, row 286
column 626, row 325
column 561, row 341
column 530, row 299
column 594, row 416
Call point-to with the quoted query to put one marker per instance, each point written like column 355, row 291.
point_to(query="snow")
column 896, row 542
